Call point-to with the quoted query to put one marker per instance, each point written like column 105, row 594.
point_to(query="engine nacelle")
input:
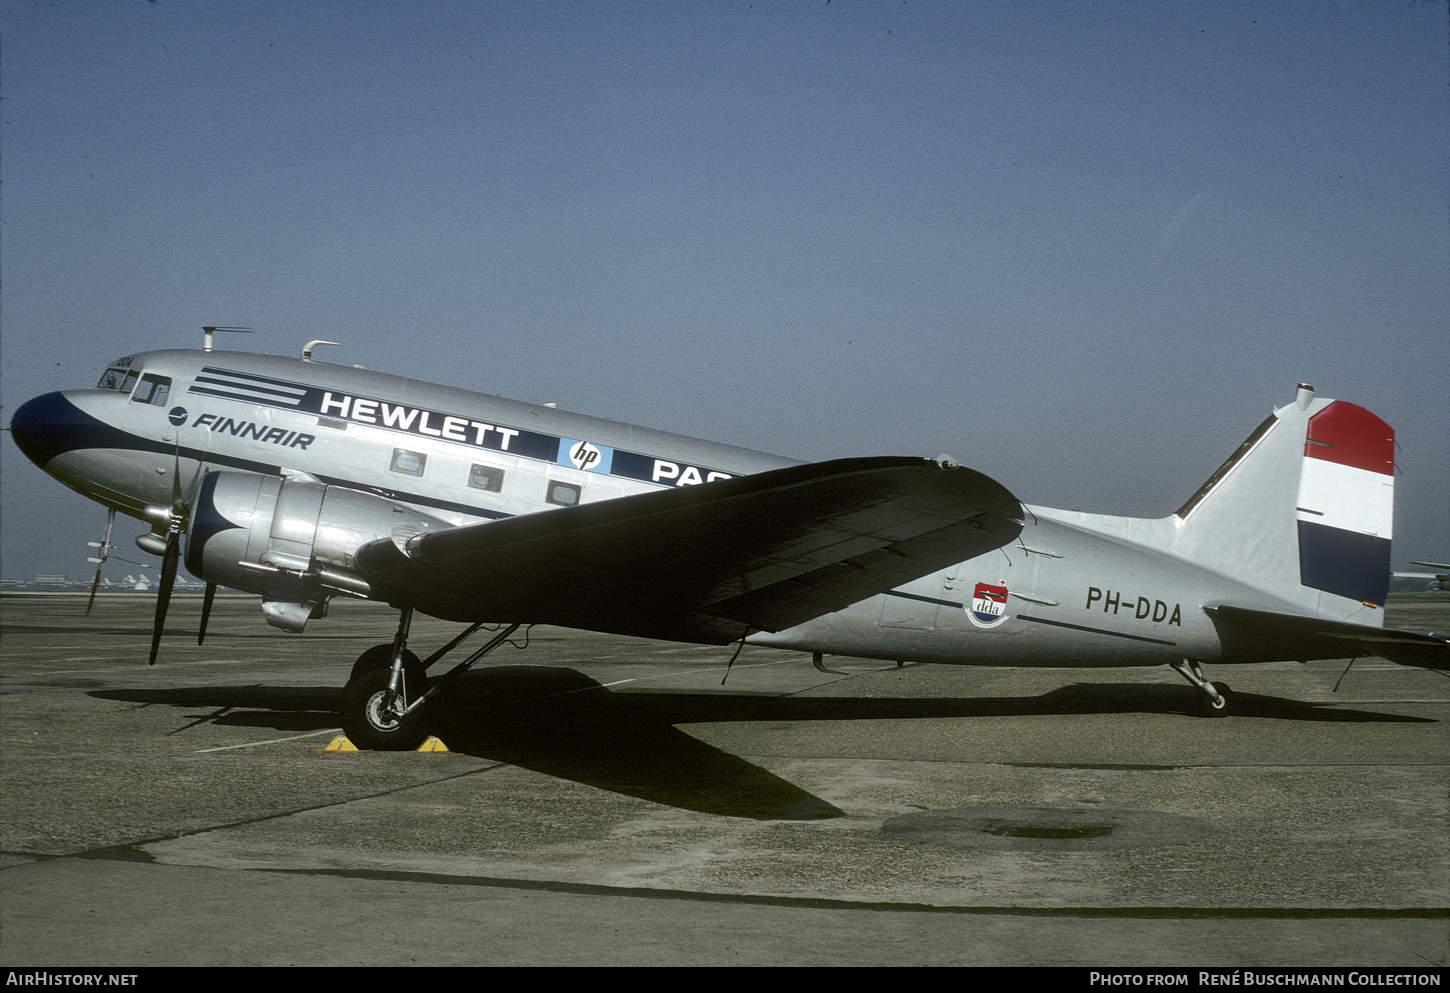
column 291, row 540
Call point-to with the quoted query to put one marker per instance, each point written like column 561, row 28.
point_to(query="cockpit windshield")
column 118, row 378
column 154, row 390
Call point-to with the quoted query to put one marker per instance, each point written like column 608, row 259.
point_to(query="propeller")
column 170, row 557
column 105, row 546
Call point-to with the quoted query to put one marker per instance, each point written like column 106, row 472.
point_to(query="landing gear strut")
column 1215, row 699
column 382, row 704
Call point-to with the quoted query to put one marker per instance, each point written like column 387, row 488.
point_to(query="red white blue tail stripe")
column 1346, row 503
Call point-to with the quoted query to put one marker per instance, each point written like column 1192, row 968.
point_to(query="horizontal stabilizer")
column 709, row 562
column 1414, row 648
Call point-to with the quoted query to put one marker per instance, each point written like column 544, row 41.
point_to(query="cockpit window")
column 154, row 390
column 118, row 378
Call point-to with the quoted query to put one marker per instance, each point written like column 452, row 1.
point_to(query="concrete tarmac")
column 606, row 801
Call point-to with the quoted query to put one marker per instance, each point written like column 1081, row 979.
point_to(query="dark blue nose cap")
column 50, row 425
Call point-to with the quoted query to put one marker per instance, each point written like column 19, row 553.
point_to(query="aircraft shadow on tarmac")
column 560, row 722
column 551, row 720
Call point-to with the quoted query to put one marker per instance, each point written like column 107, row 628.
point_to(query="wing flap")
column 1320, row 637
column 704, row 563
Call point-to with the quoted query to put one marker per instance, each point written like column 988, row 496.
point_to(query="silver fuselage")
column 1073, row 590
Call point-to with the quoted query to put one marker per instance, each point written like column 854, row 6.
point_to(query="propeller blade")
column 94, row 586
column 178, row 508
column 105, row 547
column 182, row 497
column 206, row 611
column 180, row 512
column 163, row 598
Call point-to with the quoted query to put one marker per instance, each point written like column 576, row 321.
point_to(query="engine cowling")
column 291, row 540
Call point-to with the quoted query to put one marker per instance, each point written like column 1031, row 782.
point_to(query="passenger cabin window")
column 486, row 477
column 154, row 390
column 563, row 494
column 411, row 463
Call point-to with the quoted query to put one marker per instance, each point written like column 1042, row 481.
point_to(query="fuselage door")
column 914, row 606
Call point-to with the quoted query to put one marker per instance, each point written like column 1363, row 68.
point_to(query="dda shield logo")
column 989, row 605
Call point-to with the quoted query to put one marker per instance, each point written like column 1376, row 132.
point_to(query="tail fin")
column 1302, row 510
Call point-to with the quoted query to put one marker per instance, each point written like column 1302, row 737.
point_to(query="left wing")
column 710, row 562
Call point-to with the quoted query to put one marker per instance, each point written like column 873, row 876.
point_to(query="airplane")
column 1442, row 574
column 300, row 481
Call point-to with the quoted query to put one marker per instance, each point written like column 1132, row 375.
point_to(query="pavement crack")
column 133, row 851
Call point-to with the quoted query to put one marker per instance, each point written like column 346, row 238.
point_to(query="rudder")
column 1302, row 510
column 1346, row 503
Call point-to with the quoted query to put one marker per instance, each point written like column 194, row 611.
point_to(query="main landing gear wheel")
column 369, row 710
column 372, row 714
column 381, row 657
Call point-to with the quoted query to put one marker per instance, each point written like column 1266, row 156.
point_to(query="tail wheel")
column 1209, row 707
column 368, row 718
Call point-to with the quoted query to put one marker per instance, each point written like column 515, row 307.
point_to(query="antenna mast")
column 208, row 332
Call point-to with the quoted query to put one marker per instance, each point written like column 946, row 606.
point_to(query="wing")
column 1318, row 637
column 706, row 563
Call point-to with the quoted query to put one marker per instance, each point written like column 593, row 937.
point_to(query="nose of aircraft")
column 46, row 426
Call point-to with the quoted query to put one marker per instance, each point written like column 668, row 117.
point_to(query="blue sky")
column 1082, row 247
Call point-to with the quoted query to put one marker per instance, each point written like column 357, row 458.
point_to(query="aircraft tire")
column 364, row 725
column 381, row 657
column 1208, row 708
